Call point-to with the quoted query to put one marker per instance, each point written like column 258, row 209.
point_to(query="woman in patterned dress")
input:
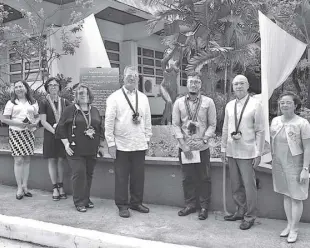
column 290, row 136
column 21, row 114
column 53, row 149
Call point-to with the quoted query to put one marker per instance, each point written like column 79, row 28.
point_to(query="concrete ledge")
column 60, row 236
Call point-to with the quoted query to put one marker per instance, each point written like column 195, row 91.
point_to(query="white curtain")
column 91, row 51
column 280, row 53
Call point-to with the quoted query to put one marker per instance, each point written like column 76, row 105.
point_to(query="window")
column 22, row 69
column 27, row 67
column 113, row 52
column 149, row 62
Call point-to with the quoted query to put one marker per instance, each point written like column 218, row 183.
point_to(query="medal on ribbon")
column 236, row 135
column 89, row 131
column 136, row 118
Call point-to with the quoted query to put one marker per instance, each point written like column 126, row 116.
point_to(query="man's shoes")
column 245, row 225
column 124, row 213
column 140, row 208
column 90, row 205
column 233, row 217
column 81, row 209
column 186, row 211
column 203, row 214
column 292, row 237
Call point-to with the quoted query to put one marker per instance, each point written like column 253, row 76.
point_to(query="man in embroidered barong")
column 128, row 131
column 194, row 122
column 243, row 138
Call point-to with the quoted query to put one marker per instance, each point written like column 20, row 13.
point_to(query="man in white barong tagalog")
column 243, row 138
column 128, row 131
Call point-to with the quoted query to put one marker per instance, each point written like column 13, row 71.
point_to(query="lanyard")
column 237, row 124
column 88, row 121
column 130, row 105
column 189, row 112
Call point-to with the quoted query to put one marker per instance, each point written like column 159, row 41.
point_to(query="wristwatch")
column 305, row 168
column 205, row 141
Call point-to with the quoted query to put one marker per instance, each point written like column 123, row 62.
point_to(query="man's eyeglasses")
column 53, row 85
column 286, row 102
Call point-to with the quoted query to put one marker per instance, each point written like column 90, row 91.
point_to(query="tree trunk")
column 295, row 81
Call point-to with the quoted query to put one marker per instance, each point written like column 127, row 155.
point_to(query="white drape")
column 91, row 51
column 280, row 53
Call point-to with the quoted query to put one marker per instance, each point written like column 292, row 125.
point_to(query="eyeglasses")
column 286, row 102
column 53, row 85
column 194, row 82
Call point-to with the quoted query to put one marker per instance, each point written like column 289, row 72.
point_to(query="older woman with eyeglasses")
column 53, row 149
column 81, row 130
column 290, row 139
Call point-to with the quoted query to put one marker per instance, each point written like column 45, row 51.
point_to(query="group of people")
column 242, row 146
column 76, row 131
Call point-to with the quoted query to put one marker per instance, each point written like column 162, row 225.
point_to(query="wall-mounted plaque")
column 102, row 82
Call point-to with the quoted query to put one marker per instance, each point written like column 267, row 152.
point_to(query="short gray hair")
column 130, row 68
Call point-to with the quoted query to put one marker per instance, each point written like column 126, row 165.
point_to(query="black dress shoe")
column 245, row 225
column 186, row 211
column 19, row 197
column 233, row 217
column 203, row 214
column 81, row 209
column 140, row 208
column 124, row 213
column 90, row 205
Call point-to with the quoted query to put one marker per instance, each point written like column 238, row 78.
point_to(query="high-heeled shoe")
column 292, row 237
column 64, row 195
column 27, row 193
column 55, row 197
column 19, row 197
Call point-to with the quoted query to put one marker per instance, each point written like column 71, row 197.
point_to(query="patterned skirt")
column 21, row 142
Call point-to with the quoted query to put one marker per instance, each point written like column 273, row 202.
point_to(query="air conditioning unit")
column 149, row 86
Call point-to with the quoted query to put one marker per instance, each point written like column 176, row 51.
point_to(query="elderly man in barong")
column 242, row 145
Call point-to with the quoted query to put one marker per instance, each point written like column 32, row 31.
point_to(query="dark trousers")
column 243, row 185
column 129, row 167
column 197, row 181
column 82, row 175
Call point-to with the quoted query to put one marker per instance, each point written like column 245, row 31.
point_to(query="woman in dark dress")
column 53, row 149
column 81, row 130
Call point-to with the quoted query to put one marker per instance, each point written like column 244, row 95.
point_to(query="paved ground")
column 162, row 224
column 7, row 243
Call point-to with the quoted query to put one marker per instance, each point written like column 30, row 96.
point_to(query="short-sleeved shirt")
column 296, row 130
column 20, row 111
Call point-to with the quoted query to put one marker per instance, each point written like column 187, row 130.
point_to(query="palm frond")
column 201, row 59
